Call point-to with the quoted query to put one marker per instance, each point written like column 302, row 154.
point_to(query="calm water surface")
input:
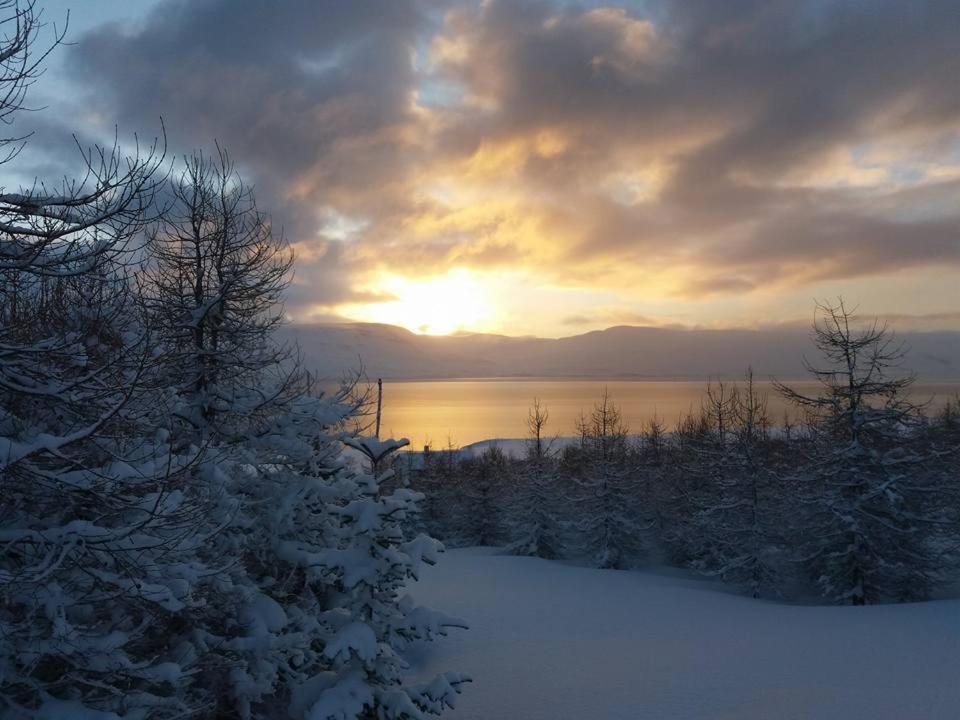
column 466, row 411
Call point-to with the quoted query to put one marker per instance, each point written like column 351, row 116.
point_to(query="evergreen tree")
column 313, row 552
column 653, row 467
column 608, row 517
column 440, row 479
column 482, row 496
column 371, row 620
column 868, row 502
column 737, row 528
column 688, row 487
column 536, row 530
column 99, row 517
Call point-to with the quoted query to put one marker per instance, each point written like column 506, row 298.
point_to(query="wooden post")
column 379, row 405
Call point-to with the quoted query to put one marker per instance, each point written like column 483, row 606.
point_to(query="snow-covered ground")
column 550, row 641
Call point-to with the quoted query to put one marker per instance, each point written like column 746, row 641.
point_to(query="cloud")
column 691, row 148
column 609, row 317
column 312, row 97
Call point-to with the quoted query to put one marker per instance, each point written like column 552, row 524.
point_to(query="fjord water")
column 467, row 411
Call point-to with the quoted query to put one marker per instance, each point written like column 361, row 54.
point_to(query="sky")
column 548, row 168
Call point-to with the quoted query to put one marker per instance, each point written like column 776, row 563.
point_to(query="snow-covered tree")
column 482, row 497
column 98, row 527
column 439, row 478
column 370, row 619
column 607, row 520
column 216, row 274
column 305, row 578
column 695, row 461
column 536, row 531
column 652, row 466
column 314, row 564
column 737, row 524
column 98, row 519
column 167, row 472
column 870, row 506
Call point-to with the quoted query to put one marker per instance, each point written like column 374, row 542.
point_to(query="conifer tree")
column 536, row 530
column 737, row 526
column 313, row 552
column 867, row 500
column 695, row 462
column 441, row 480
column 608, row 521
column 99, row 519
column 482, row 497
column 653, row 466
column 212, row 289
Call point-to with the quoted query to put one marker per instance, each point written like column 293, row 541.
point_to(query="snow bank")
column 549, row 641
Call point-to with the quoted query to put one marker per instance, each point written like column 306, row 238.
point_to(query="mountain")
column 629, row 352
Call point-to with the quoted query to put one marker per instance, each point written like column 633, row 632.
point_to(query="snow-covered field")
column 550, row 641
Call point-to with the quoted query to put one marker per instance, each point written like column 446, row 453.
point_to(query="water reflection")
column 466, row 411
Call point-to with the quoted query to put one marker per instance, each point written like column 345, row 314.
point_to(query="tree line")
column 179, row 536
column 857, row 501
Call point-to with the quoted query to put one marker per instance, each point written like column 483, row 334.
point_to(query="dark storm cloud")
column 307, row 94
column 786, row 142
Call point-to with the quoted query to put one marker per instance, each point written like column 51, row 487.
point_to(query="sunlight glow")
column 440, row 305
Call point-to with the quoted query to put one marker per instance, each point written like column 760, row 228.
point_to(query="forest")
column 854, row 503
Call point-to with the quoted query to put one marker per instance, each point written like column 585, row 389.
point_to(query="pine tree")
column 694, row 463
column 482, row 496
column 313, row 551
column 737, row 528
column 536, row 529
column 608, row 517
column 371, row 621
column 868, row 502
column 653, row 467
column 440, row 479
column 98, row 519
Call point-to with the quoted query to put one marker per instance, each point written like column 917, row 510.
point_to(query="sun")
column 439, row 305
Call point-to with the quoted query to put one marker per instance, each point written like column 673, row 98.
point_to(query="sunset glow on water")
column 467, row 411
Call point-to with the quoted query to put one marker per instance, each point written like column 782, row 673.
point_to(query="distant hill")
column 628, row 352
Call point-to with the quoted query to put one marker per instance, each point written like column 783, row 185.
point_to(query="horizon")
column 794, row 327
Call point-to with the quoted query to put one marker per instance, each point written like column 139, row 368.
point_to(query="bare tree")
column 213, row 288
column 865, row 387
column 20, row 63
column 869, row 506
